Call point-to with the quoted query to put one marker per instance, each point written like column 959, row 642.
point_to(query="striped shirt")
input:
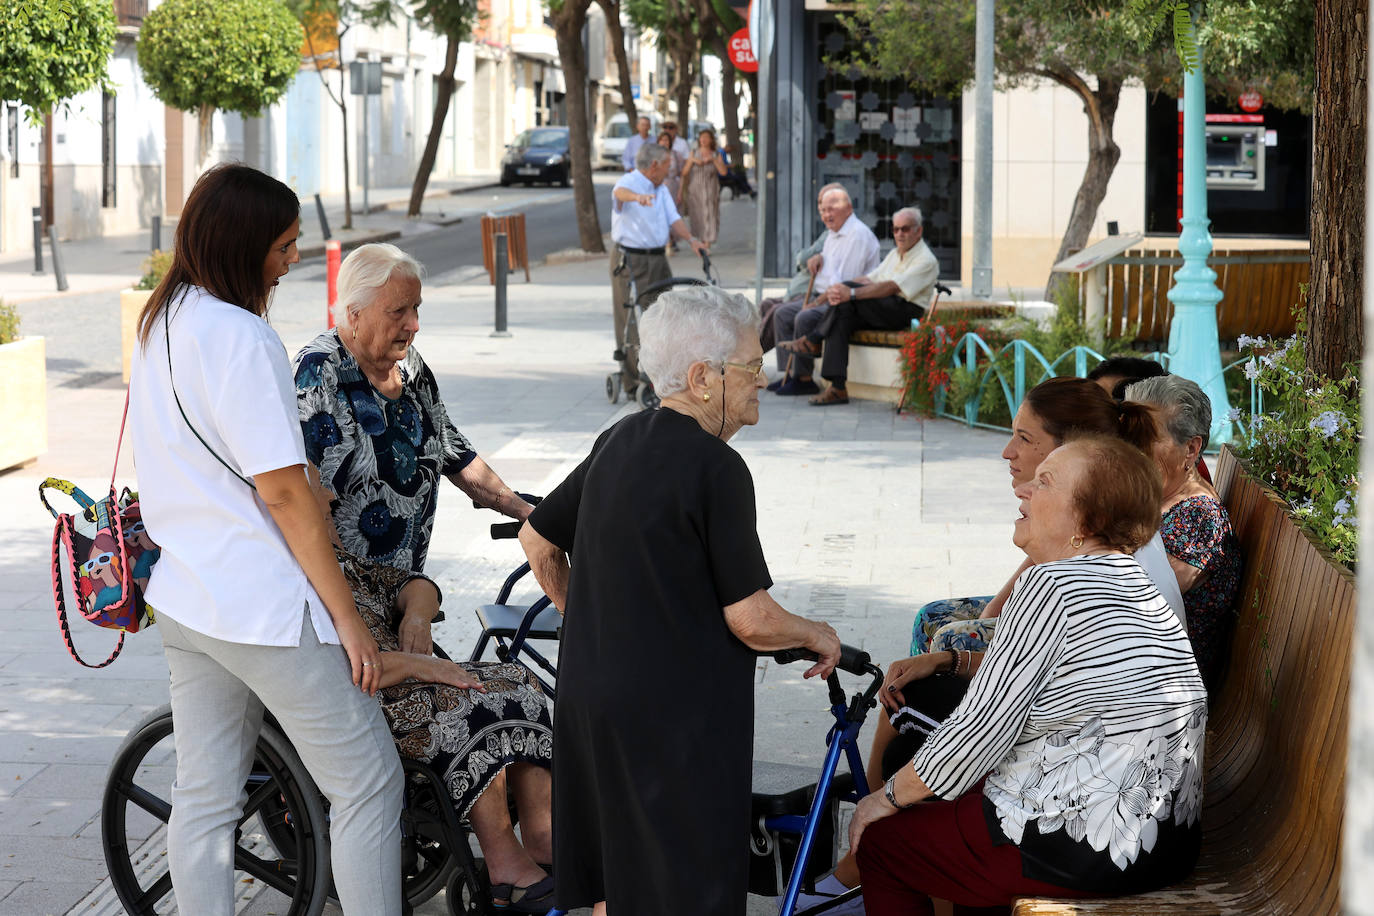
column 1087, row 717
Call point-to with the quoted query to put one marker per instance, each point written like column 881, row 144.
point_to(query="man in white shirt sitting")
column 886, row 299
column 643, row 220
column 632, row 145
column 850, row 250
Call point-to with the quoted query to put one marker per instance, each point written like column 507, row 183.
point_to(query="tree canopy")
column 51, row 51
column 233, row 55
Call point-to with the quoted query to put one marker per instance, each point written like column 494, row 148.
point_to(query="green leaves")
column 52, row 50
column 234, row 55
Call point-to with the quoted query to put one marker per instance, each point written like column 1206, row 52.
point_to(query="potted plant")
column 132, row 300
column 24, row 395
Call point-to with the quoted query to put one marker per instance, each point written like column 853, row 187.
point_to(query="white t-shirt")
column 225, row 569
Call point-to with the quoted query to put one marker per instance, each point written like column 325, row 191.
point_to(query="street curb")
column 317, row 251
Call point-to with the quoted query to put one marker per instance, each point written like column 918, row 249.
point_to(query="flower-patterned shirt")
column 1087, row 716
column 1198, row 531
column 383, row 458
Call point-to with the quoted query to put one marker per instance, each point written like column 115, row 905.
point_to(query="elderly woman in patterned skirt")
column 471, row 722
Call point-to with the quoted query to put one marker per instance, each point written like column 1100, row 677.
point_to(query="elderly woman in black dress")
column 667, row 603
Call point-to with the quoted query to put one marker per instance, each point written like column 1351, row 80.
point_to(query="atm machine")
column 1235, row 152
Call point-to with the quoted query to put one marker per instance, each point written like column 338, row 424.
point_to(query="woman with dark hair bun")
column 253, row 608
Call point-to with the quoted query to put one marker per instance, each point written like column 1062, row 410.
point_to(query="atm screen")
column 1222, row 150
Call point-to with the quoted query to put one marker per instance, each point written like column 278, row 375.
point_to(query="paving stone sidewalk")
column 864, row 514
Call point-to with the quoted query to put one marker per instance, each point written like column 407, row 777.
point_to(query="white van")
column 610, row 146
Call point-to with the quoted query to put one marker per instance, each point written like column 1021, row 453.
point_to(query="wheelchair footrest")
column 504, row 619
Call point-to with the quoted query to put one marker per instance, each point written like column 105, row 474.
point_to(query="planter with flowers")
column 24, row 395
column 132, row 300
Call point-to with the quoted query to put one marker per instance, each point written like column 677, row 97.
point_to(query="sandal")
column 533, row 898
column 803, row 345
column 831, row 397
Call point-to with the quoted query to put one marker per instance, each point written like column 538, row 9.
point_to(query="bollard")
column 37, row 240
column 156, row 241
column 324, row 222
column 502, row 265
column 57, row 270
column 333, row 257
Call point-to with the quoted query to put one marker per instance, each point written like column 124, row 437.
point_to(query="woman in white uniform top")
column 252, row 606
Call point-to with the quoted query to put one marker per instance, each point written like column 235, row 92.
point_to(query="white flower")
column 1252, row 370
column 1233, row 414
column 1328, row 422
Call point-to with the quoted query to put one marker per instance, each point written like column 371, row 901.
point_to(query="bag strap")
column 119, row 443
column 62, row 536
column 63, row 486
column 167, row 327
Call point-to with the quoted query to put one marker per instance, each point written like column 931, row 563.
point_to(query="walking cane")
column 792, row 354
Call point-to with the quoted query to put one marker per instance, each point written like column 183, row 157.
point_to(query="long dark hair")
column 1075, row 405
column 230, row 220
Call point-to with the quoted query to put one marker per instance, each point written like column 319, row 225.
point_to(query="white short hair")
column 648, row 154
column 913, row 212
column 690, row 324
column 365, row 271
column 842, row 191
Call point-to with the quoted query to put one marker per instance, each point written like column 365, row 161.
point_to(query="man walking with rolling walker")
column 643, row 220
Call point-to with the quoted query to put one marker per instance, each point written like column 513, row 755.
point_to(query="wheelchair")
column 282, row 836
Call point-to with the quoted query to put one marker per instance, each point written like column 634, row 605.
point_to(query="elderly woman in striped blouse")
column 1073, row 766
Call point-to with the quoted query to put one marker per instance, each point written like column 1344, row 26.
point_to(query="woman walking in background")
column 252, row 606
column 701, row 176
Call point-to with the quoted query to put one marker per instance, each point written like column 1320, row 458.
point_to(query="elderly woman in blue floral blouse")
column 376, row 427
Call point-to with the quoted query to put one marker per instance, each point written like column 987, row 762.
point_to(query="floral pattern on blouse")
column 1198, row 531
column 952, row 623
column 382, row 457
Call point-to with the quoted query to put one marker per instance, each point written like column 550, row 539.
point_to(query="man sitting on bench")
column 887, row 299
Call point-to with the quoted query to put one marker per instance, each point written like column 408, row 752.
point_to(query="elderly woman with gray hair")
column 667, row 603
column 1196, row 530
column 375, row 424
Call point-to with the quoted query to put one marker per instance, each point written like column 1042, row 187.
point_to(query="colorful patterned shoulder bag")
column 108, row 556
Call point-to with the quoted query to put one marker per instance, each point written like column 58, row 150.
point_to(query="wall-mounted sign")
column 742, row 52
column 1250, row 100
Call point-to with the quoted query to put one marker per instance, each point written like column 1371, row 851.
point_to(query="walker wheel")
column 613, row 387
column 646, row 397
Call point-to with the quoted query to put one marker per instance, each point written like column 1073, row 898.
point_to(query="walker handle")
column 855, row 661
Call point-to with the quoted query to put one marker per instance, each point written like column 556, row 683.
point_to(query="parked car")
column 611, row 145
column 538, row 154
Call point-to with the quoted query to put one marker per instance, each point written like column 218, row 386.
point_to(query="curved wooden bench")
column 1276, row 741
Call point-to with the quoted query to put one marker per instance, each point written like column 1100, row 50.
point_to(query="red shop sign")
column 742, row 52
column 1250, row 100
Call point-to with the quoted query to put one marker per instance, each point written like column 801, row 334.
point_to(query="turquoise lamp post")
column 1194, row 351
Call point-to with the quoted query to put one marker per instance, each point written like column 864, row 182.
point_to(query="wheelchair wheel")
column 290, row 853
column 645, row 396
column 468, row 892
column 427, row 864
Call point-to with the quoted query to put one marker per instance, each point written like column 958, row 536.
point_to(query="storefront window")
column 889, row 146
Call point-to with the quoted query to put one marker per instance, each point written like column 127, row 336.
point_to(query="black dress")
column 655, row 714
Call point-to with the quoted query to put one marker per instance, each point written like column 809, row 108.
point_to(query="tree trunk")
column 343, row 114
column 205, row 136
column 444, row 90
column 729, row 98
column 1334, row 326
column 684, row 74
column 567, row 28
column 1103, row 155
column 616, row 33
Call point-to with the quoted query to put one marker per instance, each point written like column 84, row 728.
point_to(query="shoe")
column 777, row 383
column 793, row 387
column 831, row 397
column 853, row 907
column 535, row 898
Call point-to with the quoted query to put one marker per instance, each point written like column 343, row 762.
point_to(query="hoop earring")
column 1076, row 541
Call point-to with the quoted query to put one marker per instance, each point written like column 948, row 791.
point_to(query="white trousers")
column 218, row 692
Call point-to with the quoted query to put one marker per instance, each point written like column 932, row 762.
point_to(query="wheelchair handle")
column 855, row 661
column 505, row 531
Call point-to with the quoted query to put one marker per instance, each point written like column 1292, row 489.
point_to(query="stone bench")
column 1276, row 735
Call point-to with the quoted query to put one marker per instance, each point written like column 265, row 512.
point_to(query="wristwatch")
column 892, row 797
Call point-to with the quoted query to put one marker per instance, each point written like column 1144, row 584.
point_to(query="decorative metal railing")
column 973, row 355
